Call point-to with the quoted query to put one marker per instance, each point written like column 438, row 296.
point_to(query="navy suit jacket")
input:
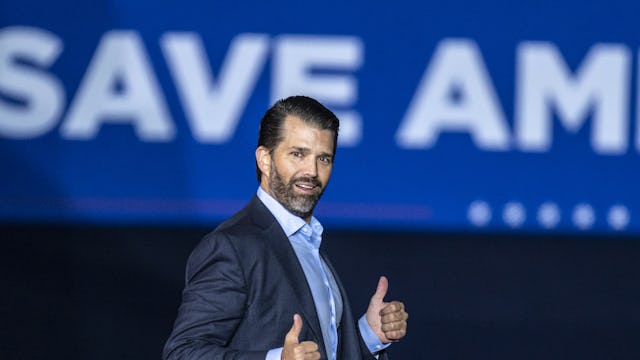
column 243, row 285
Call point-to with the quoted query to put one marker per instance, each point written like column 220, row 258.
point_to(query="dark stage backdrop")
column 98, row 292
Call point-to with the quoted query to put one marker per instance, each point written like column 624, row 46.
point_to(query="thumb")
column 381, row 290
column 292, row 335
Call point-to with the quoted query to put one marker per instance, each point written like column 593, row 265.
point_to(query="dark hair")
column 306, row 109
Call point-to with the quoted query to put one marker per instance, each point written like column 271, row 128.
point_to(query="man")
column 258, row 287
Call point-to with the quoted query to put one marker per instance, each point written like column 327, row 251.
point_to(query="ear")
column 263, row 159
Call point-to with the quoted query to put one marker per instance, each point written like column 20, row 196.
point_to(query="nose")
column 310, row 167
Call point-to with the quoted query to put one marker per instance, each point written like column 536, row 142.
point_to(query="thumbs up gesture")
column 295, row 350
column 387, row 319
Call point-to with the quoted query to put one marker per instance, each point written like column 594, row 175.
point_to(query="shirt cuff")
column 274, row 354
column 370, row 338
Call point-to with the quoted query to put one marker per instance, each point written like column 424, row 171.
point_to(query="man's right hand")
column 295, row 350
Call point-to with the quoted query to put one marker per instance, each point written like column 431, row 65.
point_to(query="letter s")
column 31, row 101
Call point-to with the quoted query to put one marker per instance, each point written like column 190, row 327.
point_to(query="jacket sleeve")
column 213, row 304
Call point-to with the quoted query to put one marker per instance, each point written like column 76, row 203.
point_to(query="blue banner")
column 455, row 116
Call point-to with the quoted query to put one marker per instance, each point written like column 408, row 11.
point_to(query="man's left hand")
column 387, row 319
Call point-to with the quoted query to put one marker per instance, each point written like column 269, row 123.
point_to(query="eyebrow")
column 303, row 150
column 306, row 150
column 327, row 154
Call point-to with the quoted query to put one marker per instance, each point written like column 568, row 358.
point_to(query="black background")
column 107, row 292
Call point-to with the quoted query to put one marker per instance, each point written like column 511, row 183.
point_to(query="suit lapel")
column 280, row 245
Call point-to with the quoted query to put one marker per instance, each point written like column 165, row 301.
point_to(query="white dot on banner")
column 549, row 215
column 514, row 214
column 479, row 213
column 618, row 217
column 583, row 216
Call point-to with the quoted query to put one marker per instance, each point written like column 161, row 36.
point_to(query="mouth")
column 305, row 187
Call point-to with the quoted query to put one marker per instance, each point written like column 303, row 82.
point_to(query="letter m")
column 600, row 88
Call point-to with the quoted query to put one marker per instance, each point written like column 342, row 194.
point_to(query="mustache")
column 311, row 180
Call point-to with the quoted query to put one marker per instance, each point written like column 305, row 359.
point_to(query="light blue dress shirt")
column 305, row 239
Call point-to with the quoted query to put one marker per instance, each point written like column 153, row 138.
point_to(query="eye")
column 326, row 159
column 296, row 154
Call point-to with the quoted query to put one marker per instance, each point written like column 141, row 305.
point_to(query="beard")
column 301, row 205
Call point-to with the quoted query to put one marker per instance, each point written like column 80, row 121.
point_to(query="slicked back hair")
column 309, row 110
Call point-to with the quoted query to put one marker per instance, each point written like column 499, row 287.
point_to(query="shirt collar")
column 290, row 223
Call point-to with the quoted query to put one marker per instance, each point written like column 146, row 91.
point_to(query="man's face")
column 299, row 167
